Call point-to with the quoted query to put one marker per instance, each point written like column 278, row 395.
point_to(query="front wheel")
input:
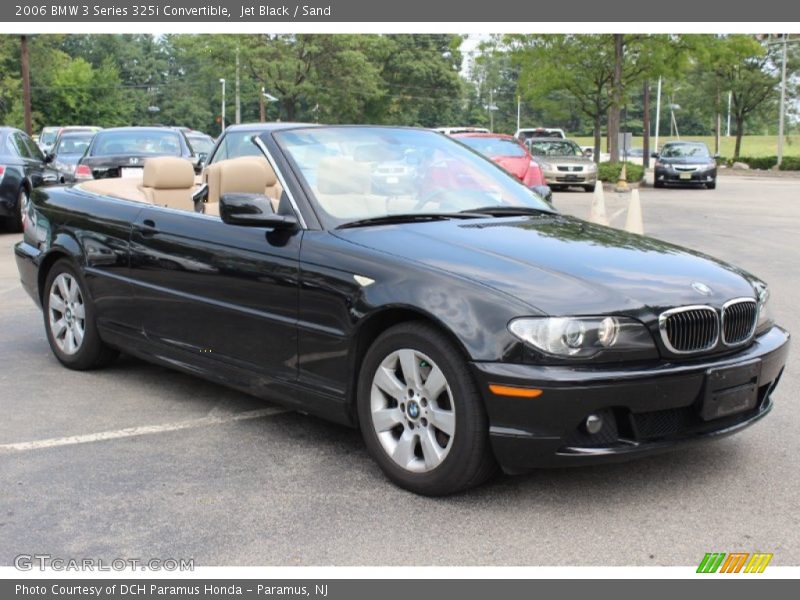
column 589, row 188
column 421, row 414
column 712, row 185
column 69, row 320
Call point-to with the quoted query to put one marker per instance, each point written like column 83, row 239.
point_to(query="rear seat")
column 344, row 188
column 169, row 181
column 245, row 174
column 166, row 181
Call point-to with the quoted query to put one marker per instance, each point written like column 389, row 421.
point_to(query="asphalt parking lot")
column 167, row 466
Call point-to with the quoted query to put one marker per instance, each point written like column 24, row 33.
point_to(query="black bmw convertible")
column 457, row 319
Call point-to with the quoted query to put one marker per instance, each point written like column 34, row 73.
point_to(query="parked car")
column 461, row 129
column 66, row 153
column 461, row 324
column 524, row 135
column 201, row 143
column 46, row 138
column 682, row 163
column 564, row 163
column 511, row 155
column 22, row 168
column 70, row 129
column 121, row 151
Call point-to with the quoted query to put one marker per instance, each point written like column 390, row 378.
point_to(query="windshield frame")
column 330, row 222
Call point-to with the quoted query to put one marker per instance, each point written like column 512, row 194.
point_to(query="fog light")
column 593, row 424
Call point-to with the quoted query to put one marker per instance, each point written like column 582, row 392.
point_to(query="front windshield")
column 131, row 141
column 493, row 147
column 685, row 150
column 201, row 143
column 73, row 143
column 555, row 148
column 48, row 135
column 360, row 173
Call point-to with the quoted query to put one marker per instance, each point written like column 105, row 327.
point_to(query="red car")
column 509, row 153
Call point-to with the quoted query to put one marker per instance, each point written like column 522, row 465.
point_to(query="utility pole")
column 783, row 101
column 491, row 112
column 238, row 100
column 646, row 126
column 658, row 112
column 616, row 99
column 519, row 110
column 26, row 84
column 222, row 109
column 728, row 130
column 262, row 109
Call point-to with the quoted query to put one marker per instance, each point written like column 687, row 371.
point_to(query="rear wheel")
column 421, row 415
column 22, row 206
column 69, row 320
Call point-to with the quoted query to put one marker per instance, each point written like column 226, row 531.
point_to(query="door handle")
column 147, row 228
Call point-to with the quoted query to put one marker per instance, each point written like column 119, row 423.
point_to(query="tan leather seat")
column 344, row 188
column 246, row 175
column 169, row 181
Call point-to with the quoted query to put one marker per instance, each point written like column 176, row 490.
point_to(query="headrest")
column 168, row 173
column 336, row 175
column 245, row 174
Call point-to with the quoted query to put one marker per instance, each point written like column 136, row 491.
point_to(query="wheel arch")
column 371, row 326
column 53, row 255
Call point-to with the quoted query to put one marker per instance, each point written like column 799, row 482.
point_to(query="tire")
column 658, row 184
column 23, row 197
column 441, row 444
column 557, row 188
column 589, row 188
column 712, row 185
column 74, row 340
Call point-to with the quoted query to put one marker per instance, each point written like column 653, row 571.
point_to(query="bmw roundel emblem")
column 701, row 288
column 413, row 410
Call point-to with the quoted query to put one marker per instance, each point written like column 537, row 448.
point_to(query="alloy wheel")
column 67, row 314
column 412, row 408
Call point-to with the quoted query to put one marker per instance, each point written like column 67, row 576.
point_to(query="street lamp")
column 222, row 111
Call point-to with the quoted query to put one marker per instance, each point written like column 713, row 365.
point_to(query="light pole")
column 222, row 109
column 783, row 101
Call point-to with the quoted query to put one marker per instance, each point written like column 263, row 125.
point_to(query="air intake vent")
column 738, row 321
column 689, row 329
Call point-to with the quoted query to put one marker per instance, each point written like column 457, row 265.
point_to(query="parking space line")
column 211, row 419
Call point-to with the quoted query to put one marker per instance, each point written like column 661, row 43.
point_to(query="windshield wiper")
column 411, row 218
column 509, row 211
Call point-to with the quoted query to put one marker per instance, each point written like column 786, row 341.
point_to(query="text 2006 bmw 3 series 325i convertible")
column 394, row 280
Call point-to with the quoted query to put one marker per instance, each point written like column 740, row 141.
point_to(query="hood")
column 686, row 160
column 562, row 265
column 516, row 165
column 565, row 160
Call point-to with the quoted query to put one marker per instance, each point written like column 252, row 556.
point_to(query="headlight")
column 585, row 337
column 547, row 166
column 765, row 320
column 591, row 167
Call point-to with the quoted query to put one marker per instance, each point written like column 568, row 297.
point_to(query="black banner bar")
column 443, row 11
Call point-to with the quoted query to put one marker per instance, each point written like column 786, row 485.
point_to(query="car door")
column 34, row 165
column 221, row 292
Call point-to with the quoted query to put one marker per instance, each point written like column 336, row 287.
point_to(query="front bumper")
column 644, row 410
column 672, row 176
column 557, row 177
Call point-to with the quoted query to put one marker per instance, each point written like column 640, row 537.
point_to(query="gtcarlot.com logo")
column 734, row 562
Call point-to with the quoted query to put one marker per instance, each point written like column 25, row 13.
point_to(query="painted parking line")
column 211, row 419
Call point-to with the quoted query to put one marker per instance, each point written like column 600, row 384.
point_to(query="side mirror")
column 588, row 153
column 253, row 210
column 717, row 156
column 48, row 158
column 654, row 155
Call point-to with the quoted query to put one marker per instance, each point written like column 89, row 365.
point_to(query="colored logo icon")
column 735, row 562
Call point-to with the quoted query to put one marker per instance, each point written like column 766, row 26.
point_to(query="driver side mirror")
column 49, row 157
column 588, row 153
column 253, row 210
column 654, row 155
